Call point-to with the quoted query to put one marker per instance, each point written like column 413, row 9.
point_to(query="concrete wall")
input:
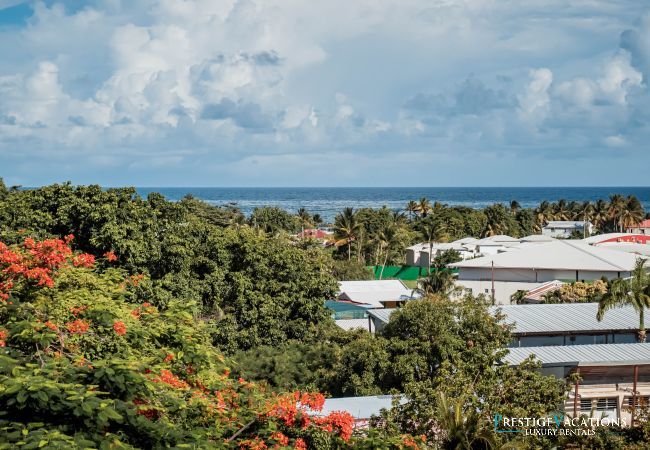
column 502, row 289
column 534, row 276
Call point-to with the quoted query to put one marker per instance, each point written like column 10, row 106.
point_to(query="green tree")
column 346, row 229
column 272, row 219
column 634, row 291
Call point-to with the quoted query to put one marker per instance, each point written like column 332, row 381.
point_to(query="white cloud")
column 199, row 82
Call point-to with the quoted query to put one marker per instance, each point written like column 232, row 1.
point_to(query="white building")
column 374, row 293
column 422, row 254
column 613, row 377
column 527, row 267
column 564, row 228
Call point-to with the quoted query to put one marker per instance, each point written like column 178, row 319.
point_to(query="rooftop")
column 566, row 224
column 359, row 407
column 583, row 355
column 559, row 255
column 373, row 292
column 567, row 317
column 381, row 314
column 352, row 324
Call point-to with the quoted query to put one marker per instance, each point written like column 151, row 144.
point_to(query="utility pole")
column 493, row 282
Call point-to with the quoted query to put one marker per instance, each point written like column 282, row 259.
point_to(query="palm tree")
column 317, row 219
column 585, row 212
column 615, row 210
column 431, row 233
column 411, row 208
column 514, row 206
column 424, row 206
column 438, row 282
column 561, row 210
column 305, row 220
column 632, row 212
column 634, row 291
column 600, row 214
column 346, row 229
column 463, row 427
column 387, row 239
column 543, row 213
column 398, row 218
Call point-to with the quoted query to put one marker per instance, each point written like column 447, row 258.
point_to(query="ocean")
column 329, row 201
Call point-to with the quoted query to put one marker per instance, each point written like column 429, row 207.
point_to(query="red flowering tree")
column 82, row 365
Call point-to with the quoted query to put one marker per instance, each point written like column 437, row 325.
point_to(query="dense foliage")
column 142, row 323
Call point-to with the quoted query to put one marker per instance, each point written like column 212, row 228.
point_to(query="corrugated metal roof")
column 538, row 293
column 381, row 314
column 359, row 407
column 566, row 317
column 352, row 324
column 583, row 355
column 558, row 255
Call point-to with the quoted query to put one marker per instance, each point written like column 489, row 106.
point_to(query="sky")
column 325, row 93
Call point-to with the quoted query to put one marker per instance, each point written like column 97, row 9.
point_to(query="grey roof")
column 566, row 317
column 583, row 355
column 359, row 407
column 557, row 255
column 381, row 314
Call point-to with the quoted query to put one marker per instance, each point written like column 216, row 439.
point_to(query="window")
column 607, row 404
column 585, row 404
column 641, row 400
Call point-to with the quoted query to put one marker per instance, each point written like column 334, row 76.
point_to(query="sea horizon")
column 328, row 201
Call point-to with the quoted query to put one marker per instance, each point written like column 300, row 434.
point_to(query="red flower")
column 3, row 335
column 280, row 438
column 78, row 326
column 119, row 327
column 75, row 310
column 300, row 444
column 110, row 256
column 169, row 378
column 84, row 260
column 51, row 326
column 169, row 357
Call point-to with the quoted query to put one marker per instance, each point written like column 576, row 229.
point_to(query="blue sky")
column 336, row 93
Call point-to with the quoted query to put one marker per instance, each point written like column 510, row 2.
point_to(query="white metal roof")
column 381, row 314
column 566, row 224
column 373, row 292
column 603, row 237
column 566, row 317
column 559, row 254
column 359, row 407
column 372, row 286
column 352, row 324
column 537, row 238
column 583, row 355
column 629, row 247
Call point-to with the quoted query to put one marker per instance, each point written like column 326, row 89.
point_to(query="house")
column 554, row 324
column 612, row 377
column 495, row 244
column 617, row 238
column 569, row 324
column 640, row 228
column 565, row 228
column 536, row 295
column 528, row 267
column 315, row 233
column 355, row 324
column 422, row 254
column 374, row 293
column 636, row 243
